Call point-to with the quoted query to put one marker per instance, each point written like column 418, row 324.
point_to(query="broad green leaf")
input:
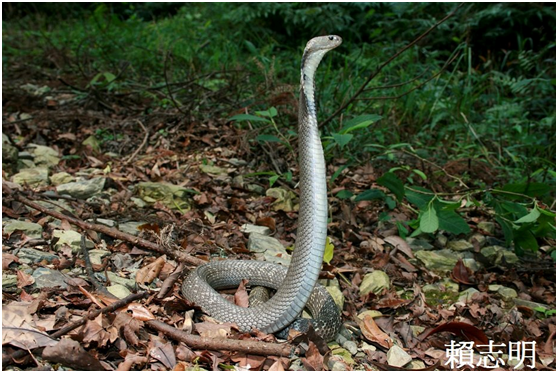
column 451, row 222
column 251, row 47
column 525, row 240
column 546, row 212
column 328, row 252
column 362, row 121
column 253, row 118
column 370, row 194
column 342, row 139
column 392, row 182
column 403, row 231
column 506, row 228
column 531, row 189
column 344, row 194
column 390, row 202
column 530, row 217
column 421, row 200
column 429, row 222
column 268, row 138
column 267, row 113
column 514, row 208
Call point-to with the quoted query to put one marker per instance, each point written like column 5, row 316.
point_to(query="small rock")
column 251, row 228
column 27, row 256
column 365, row 346
column 415, row 365
column 70, row 238
column 268, row 249
column 479, row 238
column 30, row 229
column 438, row 260
column 472, row 264
column 460, row 245
column 9, row 155
column 255, row 188
column 499, row 254
column 9, row 281
column 465, row 295
column 238, row 162
column 107, row 222
column 82, row 189
column 214, row 170
column 44, row 156
column 61, row 178
column 97, row 255
column 397, row 357
column 33, row 177
column 487, row 226
column 119, row 291
column 506, row 293
column 419, row 244
column 297, row 365
column 351, row 347
column 115, row 279
column 374, row 282
column 131, row 227
column 530, row 304
column 494, row 287
column 344, row 354
column 49, row 278
column 441, row 240
column 172, row 196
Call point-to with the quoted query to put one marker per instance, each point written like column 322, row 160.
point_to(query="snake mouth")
column 324, row 43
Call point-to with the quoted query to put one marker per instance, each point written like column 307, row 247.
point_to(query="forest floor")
column 97, row 163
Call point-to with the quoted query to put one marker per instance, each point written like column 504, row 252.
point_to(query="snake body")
column 296, row 286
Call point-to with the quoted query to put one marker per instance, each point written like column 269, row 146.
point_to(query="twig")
column 398, row 84
column 389, row 60
column 167, row 84
column 415, row 87
column 181, row 256
column 215, row 344
column 7, row 359
column 461, row 182
column 127, row 161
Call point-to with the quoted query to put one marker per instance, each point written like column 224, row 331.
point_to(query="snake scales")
column 296, row 286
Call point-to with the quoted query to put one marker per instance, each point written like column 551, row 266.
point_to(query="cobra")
column 296, row 286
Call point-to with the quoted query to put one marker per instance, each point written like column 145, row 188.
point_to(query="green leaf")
column 525, row 240
column 328, row 252
column 530, row 217
column 429, row 220
column 337, row 173
column 362, row 121
column 531, row 189
column 272, row 180
column 421, row 200
column 344, row 194
column 506, row 228
column 370, row 194
column 268, row 138
column 514, row 208
column 452, row 222
column 342, row 139
column 253, row 118
column 390, row 202
column 392, row 182
column 267, row 113
column 421, row 174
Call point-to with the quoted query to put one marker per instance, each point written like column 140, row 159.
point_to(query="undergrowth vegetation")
column 464, row 118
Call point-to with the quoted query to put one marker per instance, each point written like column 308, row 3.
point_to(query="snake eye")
column 331, row 37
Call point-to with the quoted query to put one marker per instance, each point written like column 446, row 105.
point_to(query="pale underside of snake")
column 296, row 286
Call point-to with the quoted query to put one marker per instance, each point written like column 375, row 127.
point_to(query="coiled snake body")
column 296, row 286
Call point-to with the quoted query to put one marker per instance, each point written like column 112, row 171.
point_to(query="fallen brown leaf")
column 313, row 360
column 147, row 274
column 69, row 352
column 372, row 332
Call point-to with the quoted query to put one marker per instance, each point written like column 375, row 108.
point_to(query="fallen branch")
column 215, row 344
column 387, row 62
column 178, row 255
column 8, row 359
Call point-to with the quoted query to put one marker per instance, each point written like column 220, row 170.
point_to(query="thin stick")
column 181, row 256
column 215, row 344
column 389, row 60
column 127, row 161
column 7, row 359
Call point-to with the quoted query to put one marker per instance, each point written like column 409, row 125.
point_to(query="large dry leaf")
column 210, row 330
column 400, row 244
column 139, row 312
column 165, row 354
column 18, row 328
column 94, row 332
column 372, row 332
column 150, row 272
column 241, row 295
column 8, row 259
column 69, row 352
column 313, row 360
column 24, row 279
column 472, row 333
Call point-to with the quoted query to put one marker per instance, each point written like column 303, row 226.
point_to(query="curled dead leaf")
column 372, row 332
